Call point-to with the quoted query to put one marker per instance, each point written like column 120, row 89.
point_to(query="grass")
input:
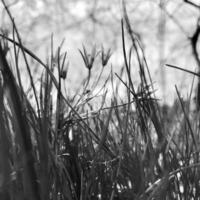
column 60, row 147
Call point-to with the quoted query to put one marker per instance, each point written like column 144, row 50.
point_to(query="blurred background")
column 168, row 31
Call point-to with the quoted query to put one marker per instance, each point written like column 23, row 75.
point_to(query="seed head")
column 88, row 58
column 105, row 56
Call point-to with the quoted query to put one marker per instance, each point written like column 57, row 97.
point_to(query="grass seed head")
column 89, row 58
column 105, row 56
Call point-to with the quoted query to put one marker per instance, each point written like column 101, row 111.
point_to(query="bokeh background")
column 165, row 28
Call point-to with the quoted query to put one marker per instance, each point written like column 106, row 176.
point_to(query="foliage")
column 62, row 147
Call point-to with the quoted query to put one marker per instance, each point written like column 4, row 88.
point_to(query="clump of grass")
column 62, row 147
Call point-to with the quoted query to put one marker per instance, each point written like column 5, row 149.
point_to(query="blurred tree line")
column 168, row 29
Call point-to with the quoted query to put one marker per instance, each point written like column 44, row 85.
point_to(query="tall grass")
column 61, row 147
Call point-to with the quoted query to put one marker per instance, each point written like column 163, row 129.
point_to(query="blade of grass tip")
column 191, row 89
column 130, row 58
column 41, row 94
column 114, row 89
column 185, row 70
column 186, row 117
column 32, row 187
column 59, row 71
column 124, row 55
column 133, row 39
column 58, row 103
column 52, row 53
column 16, row 63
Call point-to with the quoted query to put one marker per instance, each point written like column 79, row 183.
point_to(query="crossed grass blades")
column 57, row 146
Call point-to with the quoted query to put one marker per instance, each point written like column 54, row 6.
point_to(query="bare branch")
column 194, row 41
column 192, row 3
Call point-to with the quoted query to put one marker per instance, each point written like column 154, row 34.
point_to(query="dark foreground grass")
column 60, row 147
